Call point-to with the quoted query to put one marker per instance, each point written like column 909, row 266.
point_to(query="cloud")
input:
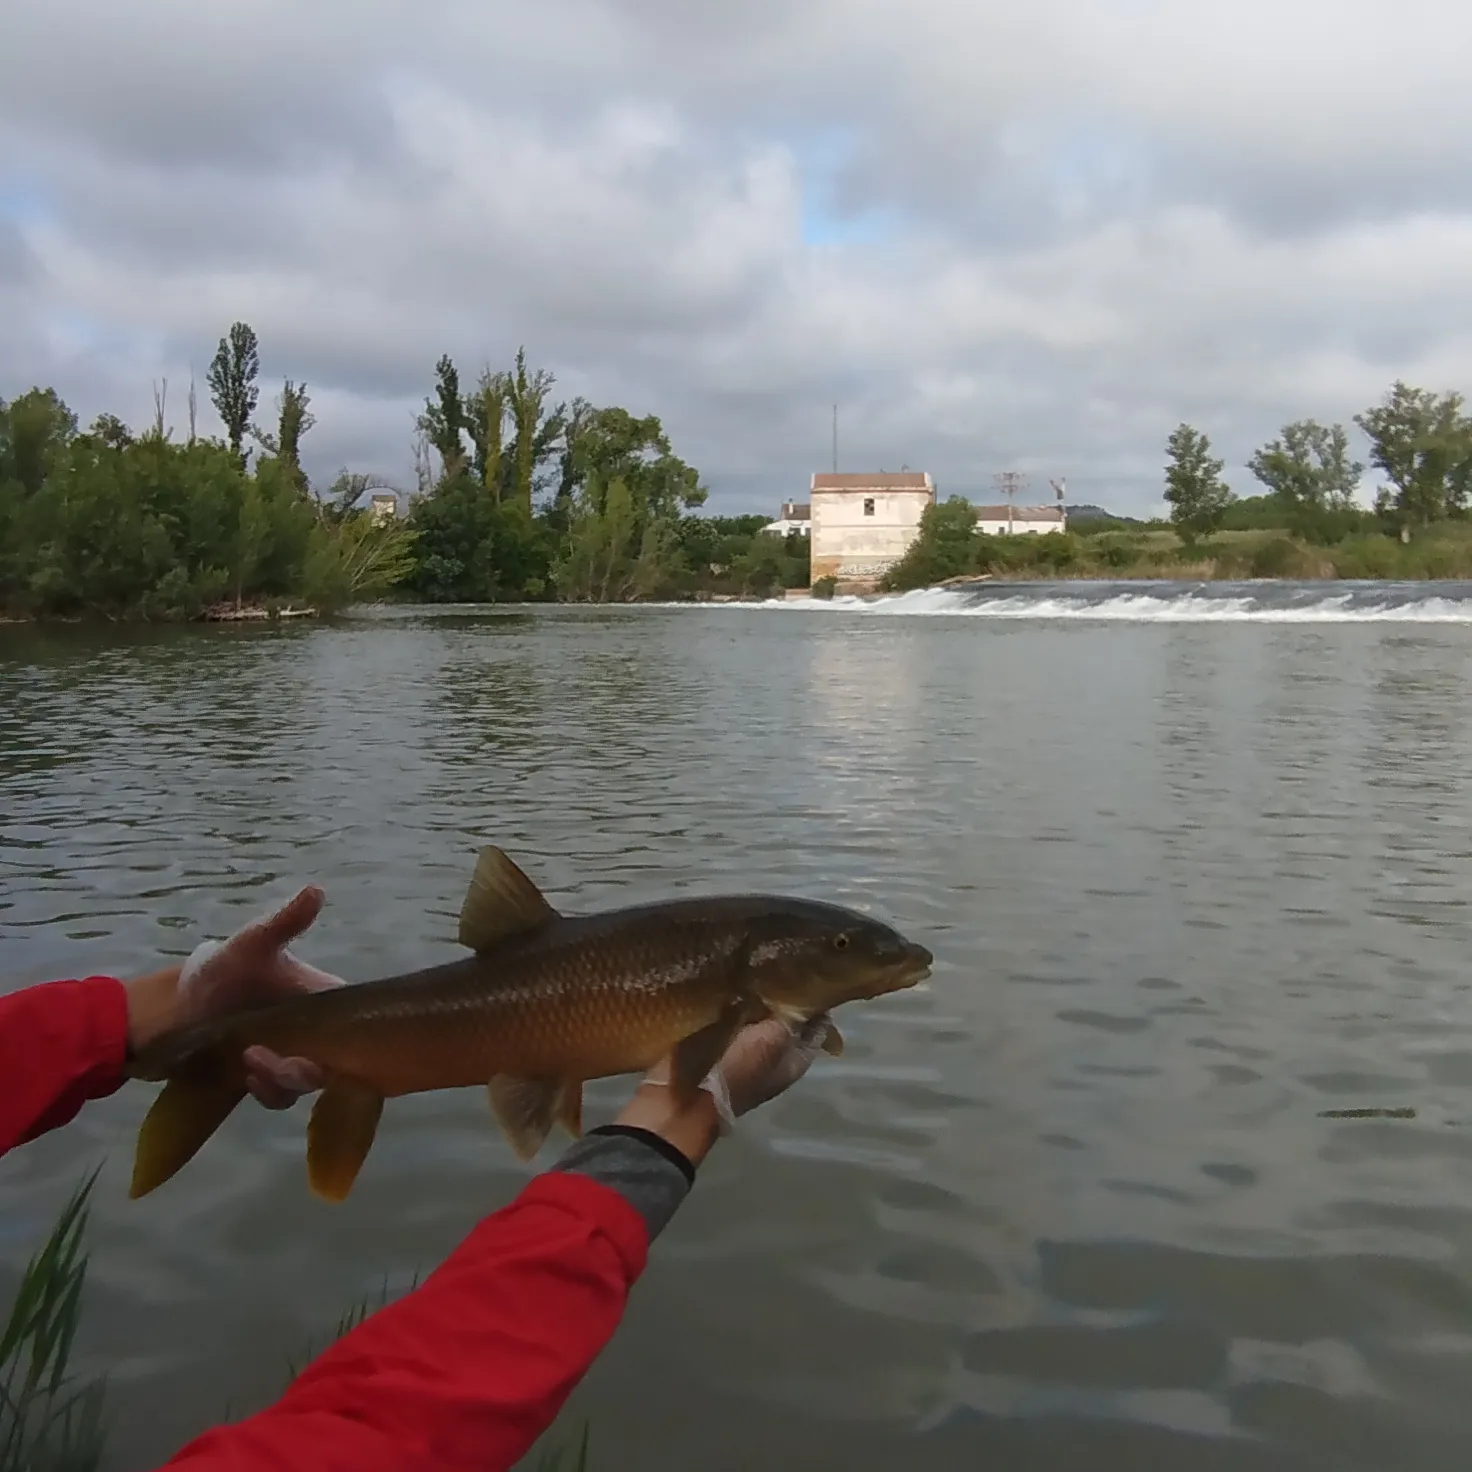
column 1036, row 238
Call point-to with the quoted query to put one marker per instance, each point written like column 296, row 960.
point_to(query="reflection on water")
column 1170, row 1165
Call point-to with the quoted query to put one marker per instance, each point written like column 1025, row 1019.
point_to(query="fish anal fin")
column 189, row 1108
column 695, row 1055
column 500, row 902
column 524, row 1107
column 570, row 1107
column 340, row 1134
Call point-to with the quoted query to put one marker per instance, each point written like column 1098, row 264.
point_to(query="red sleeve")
column 61, row 1043
column 470, row 1368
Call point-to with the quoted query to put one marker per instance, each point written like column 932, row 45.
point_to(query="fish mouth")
column 913, row 967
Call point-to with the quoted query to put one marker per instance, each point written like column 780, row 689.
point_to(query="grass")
column 49, row 1421
column 552, row 1461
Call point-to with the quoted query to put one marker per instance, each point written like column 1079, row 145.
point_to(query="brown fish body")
column 544, row 1003
column 586, row 996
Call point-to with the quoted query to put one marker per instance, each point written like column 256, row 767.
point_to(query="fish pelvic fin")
column 340, row 1134
column 833, row 1042
column 189, row 1108
column 500, row 902
column 570, row 1107
column 525, row 1108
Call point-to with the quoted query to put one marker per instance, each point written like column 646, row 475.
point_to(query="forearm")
column 470, row 1368
column 61, row 1044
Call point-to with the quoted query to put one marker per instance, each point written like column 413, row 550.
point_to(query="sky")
column 1000, row 237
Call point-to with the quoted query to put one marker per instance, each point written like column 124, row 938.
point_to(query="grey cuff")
column 645, row 1170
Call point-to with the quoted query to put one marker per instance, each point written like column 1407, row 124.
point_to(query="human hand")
column 767, row 1058
column 763, row 1060
column 251, row 967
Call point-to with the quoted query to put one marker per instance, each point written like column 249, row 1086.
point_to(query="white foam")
column 1398, row 603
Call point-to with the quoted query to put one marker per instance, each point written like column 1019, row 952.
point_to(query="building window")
column 868, row 505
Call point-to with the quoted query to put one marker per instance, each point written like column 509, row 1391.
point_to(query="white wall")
column 843, row 537
column 1018, row 528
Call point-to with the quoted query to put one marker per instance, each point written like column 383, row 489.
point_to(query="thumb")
column 278, row 930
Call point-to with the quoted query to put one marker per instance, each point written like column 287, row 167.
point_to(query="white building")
column 383, row 506
column 1002, row 521
column 795, row 517
column 863, row 524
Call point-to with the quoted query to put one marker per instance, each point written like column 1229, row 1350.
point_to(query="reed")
column 50, row 1421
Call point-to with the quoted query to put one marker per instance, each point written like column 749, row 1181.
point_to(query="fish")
column 544, row 1002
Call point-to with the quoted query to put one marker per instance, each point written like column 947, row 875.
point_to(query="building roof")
column 1019, row 513
column 880, row 480
column 796, row 511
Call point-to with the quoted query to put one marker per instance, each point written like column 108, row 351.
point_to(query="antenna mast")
column 835, row 439
column 1010, row 482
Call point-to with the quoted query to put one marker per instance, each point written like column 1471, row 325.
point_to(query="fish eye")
column 840, row 942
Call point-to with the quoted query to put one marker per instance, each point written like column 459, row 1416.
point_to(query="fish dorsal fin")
column 500, row 902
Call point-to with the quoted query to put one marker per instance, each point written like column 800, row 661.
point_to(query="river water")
column 1196, row 867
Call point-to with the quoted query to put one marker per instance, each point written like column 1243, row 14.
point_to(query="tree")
column 1422, row 442
column 604, row 445
column 1309, row 466
column 35, row 430
column 443, row 419
column 527, row 395
column 111, row 431
column 1309, row 475
column 485, row 410
column 232, row 382
column 945, row 547
column 293, row 421
column 1197, row 495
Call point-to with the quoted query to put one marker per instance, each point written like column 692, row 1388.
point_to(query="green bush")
column 823, row 587
column 1276, row 558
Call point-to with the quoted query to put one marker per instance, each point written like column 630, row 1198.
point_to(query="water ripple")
column 1170, row 1163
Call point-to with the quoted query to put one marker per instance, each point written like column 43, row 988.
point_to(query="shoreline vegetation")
column 1304, row 526
column 519, row 499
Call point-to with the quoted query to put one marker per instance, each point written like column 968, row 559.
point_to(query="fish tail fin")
column 190, row 1107
column 340, row 1134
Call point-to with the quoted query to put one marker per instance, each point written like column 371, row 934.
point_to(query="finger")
column 281, row 928
column 812, row 1036
column 269, row 1093
column 295, row 1075
column 814, row 1032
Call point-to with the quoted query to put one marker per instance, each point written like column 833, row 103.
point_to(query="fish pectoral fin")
column 525, row 1108
column 570, row 1107
column 697, row 1054
column 500, row 902
column 797, row 1019
column 188, row 1110
column 340, row 1134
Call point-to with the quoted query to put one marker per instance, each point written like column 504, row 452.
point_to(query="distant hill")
column 1087, row 512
